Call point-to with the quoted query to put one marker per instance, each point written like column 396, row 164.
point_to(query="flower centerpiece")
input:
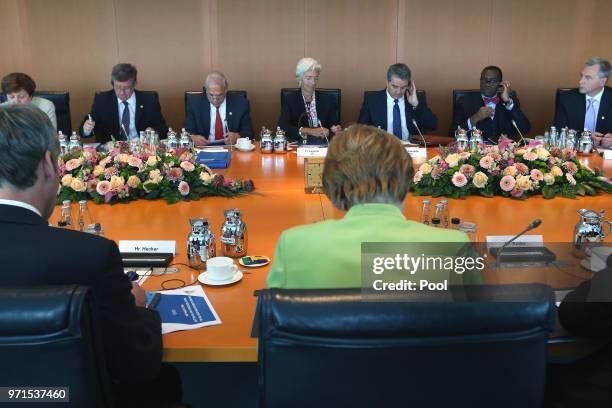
column 120, row 176
column 508, row 170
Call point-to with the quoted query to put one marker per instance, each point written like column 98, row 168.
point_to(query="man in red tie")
column 218, row 117
column 492, row 109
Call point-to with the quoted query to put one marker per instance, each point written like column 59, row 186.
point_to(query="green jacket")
column 327, row 254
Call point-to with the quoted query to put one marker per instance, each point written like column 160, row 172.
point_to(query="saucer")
column 203, row 278
column 245, row 149
column 257, row 265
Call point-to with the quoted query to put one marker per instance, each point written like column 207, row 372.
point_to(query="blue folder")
column 214, row 160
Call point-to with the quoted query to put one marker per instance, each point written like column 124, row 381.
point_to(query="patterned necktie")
column 493, row 99
column 590, row 118
column 218, row 126
column 397, row 119
column 125, row 121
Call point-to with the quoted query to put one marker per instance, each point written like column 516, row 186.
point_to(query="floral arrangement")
column 508, row 170
column 120, row 176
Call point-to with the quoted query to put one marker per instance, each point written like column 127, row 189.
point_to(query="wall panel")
column 352, row 40
column 257, row 45
column 72, row 45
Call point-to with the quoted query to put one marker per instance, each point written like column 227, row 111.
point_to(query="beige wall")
column 72, row 45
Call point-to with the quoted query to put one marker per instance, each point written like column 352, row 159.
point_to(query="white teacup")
column 243, row 142
column 221, row 268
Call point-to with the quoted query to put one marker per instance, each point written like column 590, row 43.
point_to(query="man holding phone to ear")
column 493, row 109
column 395, row 108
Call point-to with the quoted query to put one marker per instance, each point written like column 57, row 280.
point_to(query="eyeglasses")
column 490, row 81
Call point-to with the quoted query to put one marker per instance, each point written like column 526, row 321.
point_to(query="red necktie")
column 218, row 127
column 494, row 99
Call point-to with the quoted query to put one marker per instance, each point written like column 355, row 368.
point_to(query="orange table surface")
column 280, row 203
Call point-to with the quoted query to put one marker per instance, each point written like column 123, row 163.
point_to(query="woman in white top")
column 19, row 88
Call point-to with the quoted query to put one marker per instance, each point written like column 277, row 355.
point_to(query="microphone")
column 127, row 137
column 534, row 224
column 326, row 139
column 414, row 122
column 519, row 132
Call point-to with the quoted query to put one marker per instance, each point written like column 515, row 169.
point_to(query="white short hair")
column 306, row 64
column 216, row 76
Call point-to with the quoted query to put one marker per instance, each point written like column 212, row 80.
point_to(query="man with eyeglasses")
column 218, row 117
column 491, row 110
column 123, row 112
column 590, row 107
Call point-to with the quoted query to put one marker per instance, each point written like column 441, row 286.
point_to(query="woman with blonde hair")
column 367, row 172
column 307, row 114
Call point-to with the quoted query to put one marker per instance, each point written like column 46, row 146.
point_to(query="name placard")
column 148, row 247
column 311, row 151
column 607, row 154
column 494, row 241
column 415, row 151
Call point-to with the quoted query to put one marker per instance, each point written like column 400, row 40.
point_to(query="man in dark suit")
column 29, row 180
column 123, row 112
column 394, row 109
column 493, row 110
column 586, row 312
column 218, row 117
column 590, row 108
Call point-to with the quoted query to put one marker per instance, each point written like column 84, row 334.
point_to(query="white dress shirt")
column 213, row 119
column 21, row 204
column 402, row 108
column 132, row 107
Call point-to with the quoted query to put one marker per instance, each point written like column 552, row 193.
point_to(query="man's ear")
column 49, row 165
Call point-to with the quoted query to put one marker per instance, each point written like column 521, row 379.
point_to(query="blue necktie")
column 397, row 119
column 125, row 121
column 590, row 119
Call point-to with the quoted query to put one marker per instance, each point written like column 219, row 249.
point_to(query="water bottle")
column 425, row 212
column 63, row 143
column 75, row 143
column 444, row 218
column 185, row 142
column 66, row 216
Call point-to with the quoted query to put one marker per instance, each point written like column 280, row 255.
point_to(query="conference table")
column 279, row 202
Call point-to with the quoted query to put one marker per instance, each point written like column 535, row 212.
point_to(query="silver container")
column 590, row 228
column 234, row 237
column 461, row 138
column 75, row 143
column 201, row 245
column 185, row 141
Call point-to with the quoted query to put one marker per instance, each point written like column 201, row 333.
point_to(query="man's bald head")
column 216, row 88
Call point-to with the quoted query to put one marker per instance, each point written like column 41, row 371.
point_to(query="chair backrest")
column 329, row 348
column 559, row 92
column 48, row 338
column 61, row 100
column 191, row 95
column 336, row 93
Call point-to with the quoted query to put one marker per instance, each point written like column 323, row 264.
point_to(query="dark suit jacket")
column 292, row 115
column 104, row 111
column 33, row 253
column 572, row 108
column 237, row 114
column 374, row 112
column 470, row 103
column 587, row 310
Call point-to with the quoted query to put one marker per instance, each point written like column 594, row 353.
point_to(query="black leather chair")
column 335, row 92
column 189, row 95
column 61, row 100
column 458, row 94
column 47, row 338
column 559, row 92
column 334, row 348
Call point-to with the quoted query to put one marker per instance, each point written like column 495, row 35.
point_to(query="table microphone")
column 534, row 224
column 414, row 122
column 519, row 132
